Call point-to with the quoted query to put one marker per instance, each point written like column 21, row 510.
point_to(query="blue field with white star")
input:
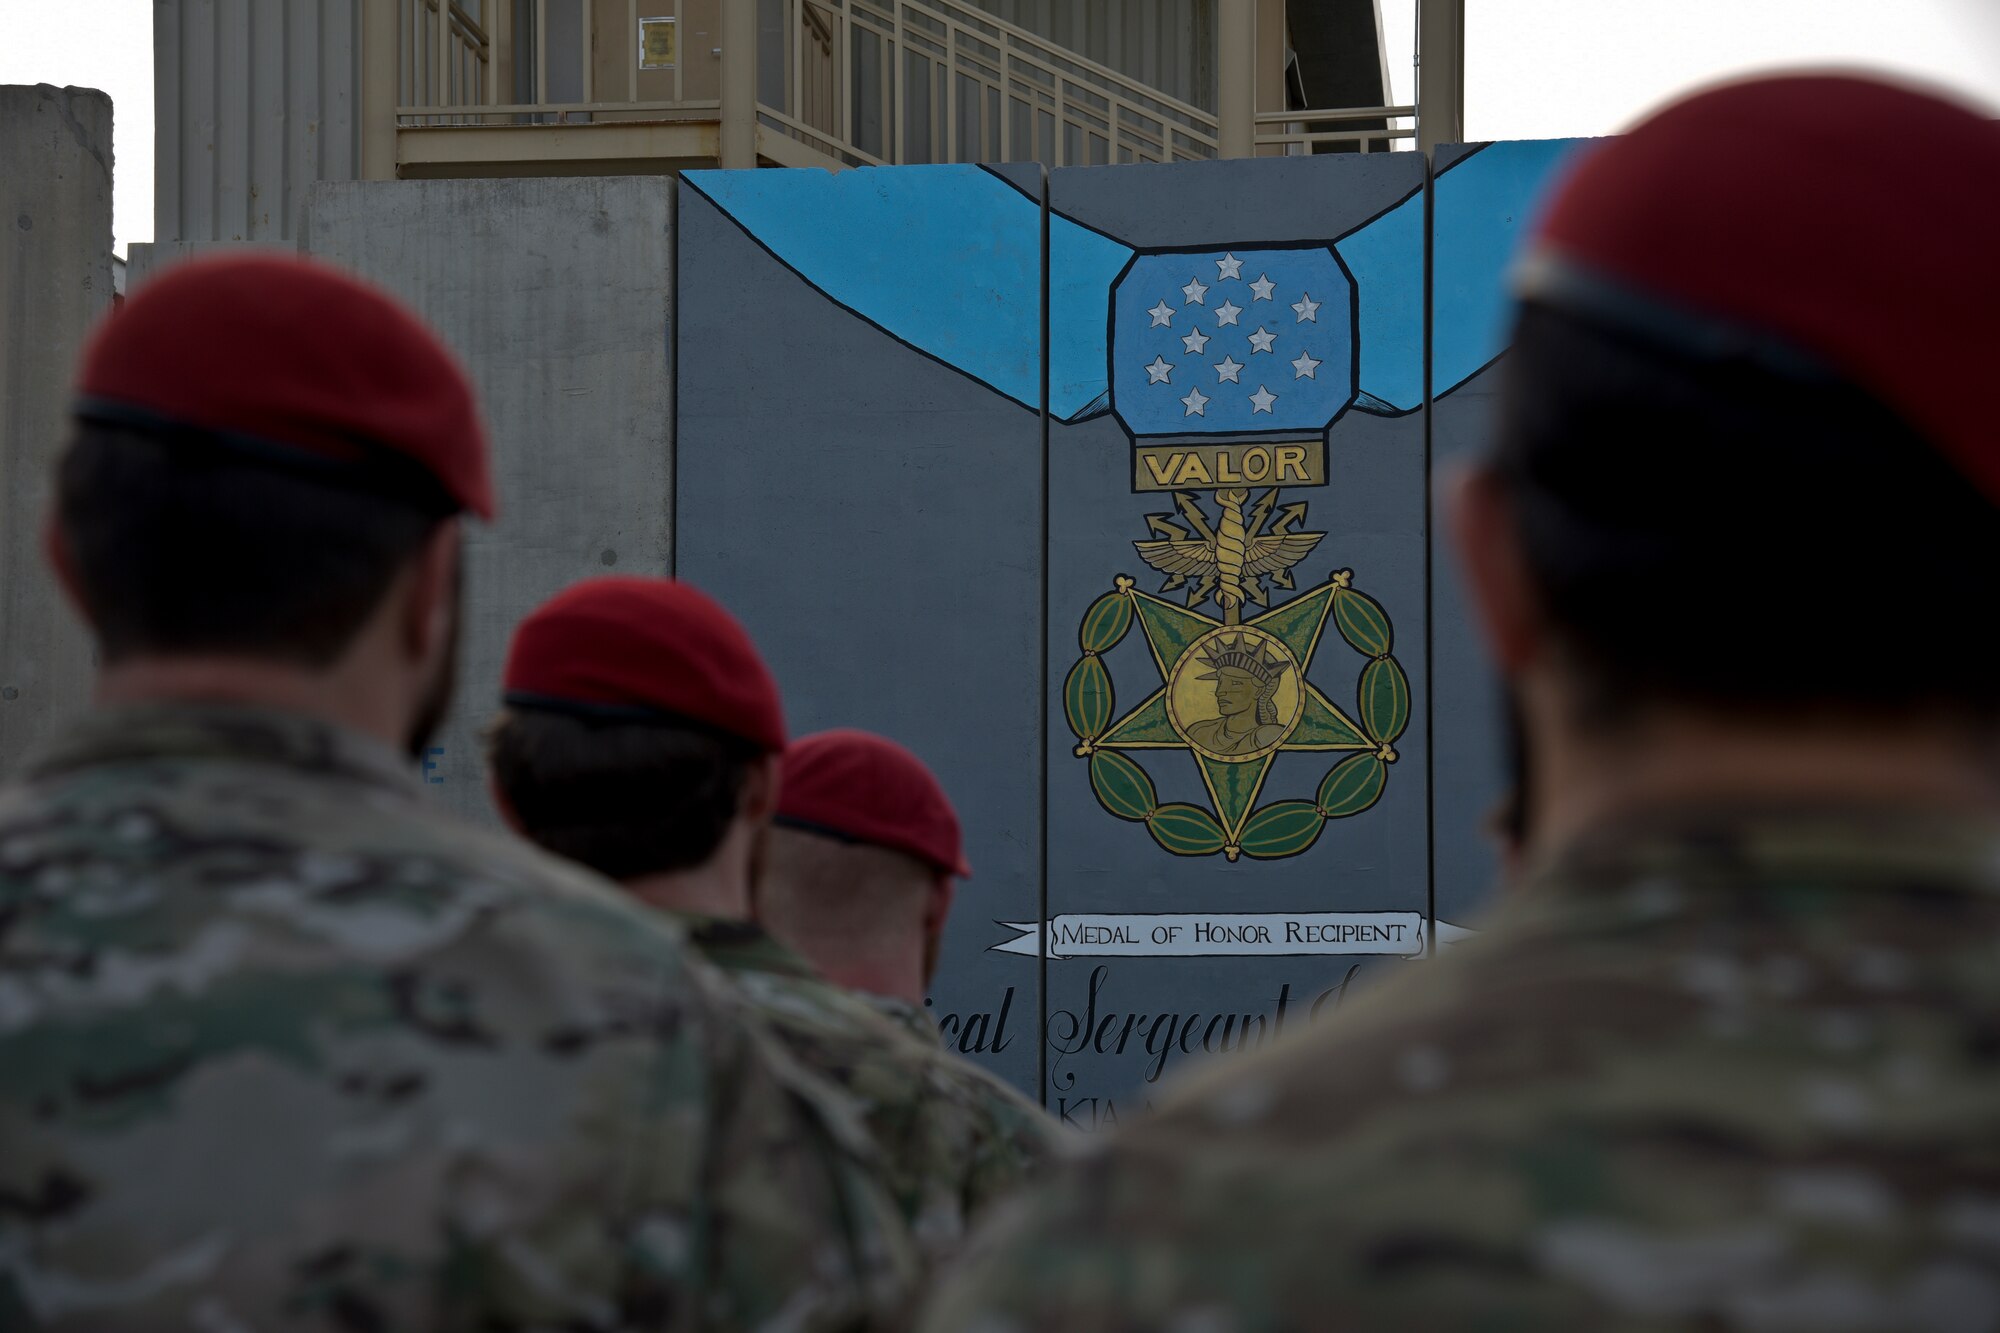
column 1231, row 342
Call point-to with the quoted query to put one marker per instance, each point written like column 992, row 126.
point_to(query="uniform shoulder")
column 310, row 861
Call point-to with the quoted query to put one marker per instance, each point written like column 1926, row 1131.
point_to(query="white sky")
column 103, row 44
column 1550, row 69
column 1534, row 68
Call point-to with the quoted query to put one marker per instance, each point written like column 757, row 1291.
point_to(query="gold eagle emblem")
column 1230, row 560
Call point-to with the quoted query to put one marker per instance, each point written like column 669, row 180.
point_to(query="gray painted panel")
column 1483, row 196
column 1472, row 775
column 1117, row 1025
column 874, row 518
column 55, row 279
column 558, row 295
column 1471, row 760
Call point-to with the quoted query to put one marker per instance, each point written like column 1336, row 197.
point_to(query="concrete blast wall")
column 558, row 295
column 55, row 278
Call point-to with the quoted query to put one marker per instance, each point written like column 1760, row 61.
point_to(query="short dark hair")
column 180, row 547
column 625, row 797
column 1716, row 532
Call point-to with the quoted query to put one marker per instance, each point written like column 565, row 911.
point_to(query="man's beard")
column 932, row 944
column 435, row 701
column 1513, row 820
column 760, row 855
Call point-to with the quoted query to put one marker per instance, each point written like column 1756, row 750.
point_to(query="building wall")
column 55, row 279
column 1148, row 40
column 254, row 102
column 558, row 296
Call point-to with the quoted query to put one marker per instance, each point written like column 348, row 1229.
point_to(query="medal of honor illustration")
column 1227, row 370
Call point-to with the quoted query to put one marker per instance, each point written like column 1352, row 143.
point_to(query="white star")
column 1307, row 308
column 1261, row 341
column 1229, row 266
column 1157, row 372
column 1162, row 314
column 1228, row 369
column 1261, row 401
column 1195, row 292
column 1227, row 312
column 1305, row 366
column 1263, row 287
column 1195, row 342
column 1194, row 403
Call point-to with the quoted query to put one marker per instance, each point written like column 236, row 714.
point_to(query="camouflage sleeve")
column 1017, row 1143
column 396, row 1095
column 805, row 1235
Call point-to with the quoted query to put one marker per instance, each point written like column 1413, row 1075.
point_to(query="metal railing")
column 557, row 65
column 863, row 82
column 446, row 56
column 877, row 81
column 1301, row 130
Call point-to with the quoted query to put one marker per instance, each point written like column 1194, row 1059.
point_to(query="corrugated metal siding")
column 254, row 101
column 1167, row 44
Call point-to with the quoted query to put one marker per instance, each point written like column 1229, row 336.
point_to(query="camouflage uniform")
column 279, row 1049
column 953, row 1139
column 905, row 1015
column 1705, row 1072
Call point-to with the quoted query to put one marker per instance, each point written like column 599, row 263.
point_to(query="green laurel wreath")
column 1283, row 828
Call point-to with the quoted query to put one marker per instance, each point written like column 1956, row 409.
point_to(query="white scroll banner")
column 1222, row 934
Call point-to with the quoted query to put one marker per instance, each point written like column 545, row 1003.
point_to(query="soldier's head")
column 640, row 737
column 862, row 863
column 259, row 502
column 1744, row 483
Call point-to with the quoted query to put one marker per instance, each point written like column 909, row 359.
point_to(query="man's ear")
column 759, row 801
column 62, row 563
column 501, row 804
column 433, row 584
column 1486, row 535
column 937, row 905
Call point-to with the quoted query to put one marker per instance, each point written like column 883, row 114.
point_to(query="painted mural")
column 1108, row 491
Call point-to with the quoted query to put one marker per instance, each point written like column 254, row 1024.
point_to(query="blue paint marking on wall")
column 1082, row 266
column 1232, row 341
column 1386, row 258
column 932, row 254
column 1484, row 205
column 939, row 257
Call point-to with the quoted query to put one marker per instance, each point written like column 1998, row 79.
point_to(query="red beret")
column 869, row 789
column 284, row 352
column 644, row 647
column 1847, row 219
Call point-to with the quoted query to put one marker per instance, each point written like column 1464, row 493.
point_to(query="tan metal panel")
column 303, row 69
column 234, row 119
column 255, row 100
column 271, row 79
column 196, row 165
column 168, row 108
